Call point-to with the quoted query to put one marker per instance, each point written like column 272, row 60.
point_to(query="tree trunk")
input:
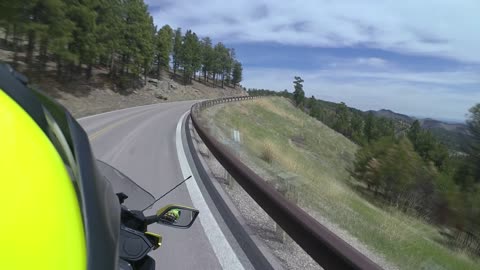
column 59, row 66
column 127, row 59
column 78, row 68
column 88, row 72
column 30, row 47
column 123, row 67
column 112, row 64
column 15, row 53
column 145, row 69
column 43, row 54
column 7, row 32
column 223, row 79
column 71, row 70
column 158, row 67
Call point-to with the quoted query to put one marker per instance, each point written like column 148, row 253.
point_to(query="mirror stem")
column 152, row 219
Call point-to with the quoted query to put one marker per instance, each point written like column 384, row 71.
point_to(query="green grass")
column 321, row 157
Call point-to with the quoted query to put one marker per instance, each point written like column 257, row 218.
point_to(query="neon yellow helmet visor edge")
column 41, row 220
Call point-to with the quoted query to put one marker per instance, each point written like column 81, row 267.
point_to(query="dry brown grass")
column 268, row 105
column 321, row 165
column 267, row 153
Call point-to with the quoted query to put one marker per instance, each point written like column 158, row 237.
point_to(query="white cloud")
column 440, row 28
column 360, row 62
column 421, row 94
column 432, row 27
column 371, row 61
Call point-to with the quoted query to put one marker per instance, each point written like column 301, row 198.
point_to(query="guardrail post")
column 287, row 185
column 236, row 145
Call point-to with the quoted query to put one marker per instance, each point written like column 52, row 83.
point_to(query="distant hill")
column 454, row 135
column 429, row 123
column 393, row 115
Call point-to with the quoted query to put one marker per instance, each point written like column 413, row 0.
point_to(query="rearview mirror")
column 177, row 216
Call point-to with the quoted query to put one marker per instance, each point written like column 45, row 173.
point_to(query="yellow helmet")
column 57, row 212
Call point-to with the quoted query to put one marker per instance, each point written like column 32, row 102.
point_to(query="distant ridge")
column 393, row 115
column 455, row 135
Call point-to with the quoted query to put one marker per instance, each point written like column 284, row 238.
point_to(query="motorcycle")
column 135, row 241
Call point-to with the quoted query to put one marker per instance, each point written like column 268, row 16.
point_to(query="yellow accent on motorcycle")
column 37, row 197
column 158, row 238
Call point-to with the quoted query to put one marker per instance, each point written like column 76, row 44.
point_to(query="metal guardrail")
column 326, row 248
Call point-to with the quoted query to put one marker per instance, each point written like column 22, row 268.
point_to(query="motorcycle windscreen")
column 138, row 198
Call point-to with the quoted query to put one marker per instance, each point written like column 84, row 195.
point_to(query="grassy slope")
column 322, row 161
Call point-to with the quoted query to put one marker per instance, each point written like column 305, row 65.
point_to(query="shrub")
column 267, row 153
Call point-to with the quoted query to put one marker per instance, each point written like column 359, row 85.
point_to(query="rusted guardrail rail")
column 326, row 248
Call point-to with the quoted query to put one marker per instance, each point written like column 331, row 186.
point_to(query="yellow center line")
column 95, row 135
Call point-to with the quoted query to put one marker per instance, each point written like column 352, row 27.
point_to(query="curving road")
column 145, row 143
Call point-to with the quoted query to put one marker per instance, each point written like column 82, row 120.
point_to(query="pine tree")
column 189, row 55
column 357, row 128
column 83, row 46
column 197, row 56
column 137, row 38
column 228, row 66
column 219, row 56
column 109, row 33
column 164, row 46
column 370, row 128
column 222, row 62
column 118, row 34
column 298, row 93
column 207, row 57
column 414, row 132
column 237, row 73
column 177, row 48
column 342, row 120
column 474, row 149
column 19, row 15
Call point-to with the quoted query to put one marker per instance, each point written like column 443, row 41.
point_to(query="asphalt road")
column 142, row 143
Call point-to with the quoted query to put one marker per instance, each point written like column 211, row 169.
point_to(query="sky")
column 420, row 58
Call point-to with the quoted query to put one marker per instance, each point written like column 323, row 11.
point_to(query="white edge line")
column 226, row 256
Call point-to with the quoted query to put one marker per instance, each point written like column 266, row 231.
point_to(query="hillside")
column 101, row 93
column 95, row 56
column 454, row 135
column 278, row 139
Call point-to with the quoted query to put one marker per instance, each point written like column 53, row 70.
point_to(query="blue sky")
column 420, row 58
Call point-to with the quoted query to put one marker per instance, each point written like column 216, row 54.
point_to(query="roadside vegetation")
column 391, row 192
column 75, row 37
column 408, row 167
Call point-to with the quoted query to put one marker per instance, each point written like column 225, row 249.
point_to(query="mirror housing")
column 177, row 216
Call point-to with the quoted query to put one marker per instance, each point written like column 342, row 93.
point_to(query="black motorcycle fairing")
column 124, row 265
column 133, row 219
column 146, row 263
column 134, row 245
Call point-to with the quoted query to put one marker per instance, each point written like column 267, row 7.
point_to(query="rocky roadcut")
column 91, row 100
